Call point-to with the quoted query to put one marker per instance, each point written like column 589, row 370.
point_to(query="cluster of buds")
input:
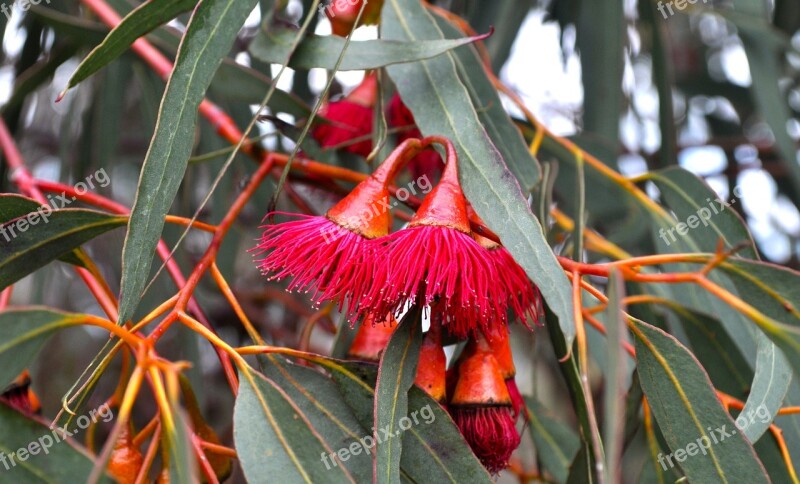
column 469, row 285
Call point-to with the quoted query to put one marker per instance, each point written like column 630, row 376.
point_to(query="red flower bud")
column 481, row 407
column 343, row 14
column 348, row 122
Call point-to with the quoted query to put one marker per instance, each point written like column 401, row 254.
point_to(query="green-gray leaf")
column 31, row 241
column 704, row 440
column 323, row 51
column 432, row 452
column 556, row 443
column 274, row 437
column 396, row 374
column 138, row 23
column 54, row 460
column 22, row 334
column 209, row 35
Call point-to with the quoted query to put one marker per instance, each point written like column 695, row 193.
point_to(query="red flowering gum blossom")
column 330, row 254
column 432, row 364
column 372, row 339
column 522, row 295
column 428, row 162
column 436, row 262
column 349, row 120
column 20, row 396
column 481, row 408
column 343, row 14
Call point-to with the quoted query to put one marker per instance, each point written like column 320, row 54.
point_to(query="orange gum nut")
column 371, row 339
column 365, row 210
column 480, row 382
column 126, row 460
column 445, row 205
column 432, row 366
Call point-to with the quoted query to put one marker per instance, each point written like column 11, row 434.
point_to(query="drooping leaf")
column 433, row 452
column 441, row 105
column 319, row 399
column 208, row 37
column 182, row 461
column 590, row 434
column 501, row 130
column 31, row 241
column 274, row 437
column 703, row 438
column 13, row 206
column 396, row 373
column 148, row 16
column 274, row 45
column 614, row 421
column 601, row 40
column 709, row 219
column 48, row 457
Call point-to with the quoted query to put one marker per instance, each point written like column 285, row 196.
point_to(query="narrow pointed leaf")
column 318, row 397
column 137, row 23
column 323, row 51
column 61, row 461
column 31, row 241
column 209, row 35
column 433, row 452
column 396, row 374
column 501, row 130
column 614, row 422
column 703, row 438
column 274, row 437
